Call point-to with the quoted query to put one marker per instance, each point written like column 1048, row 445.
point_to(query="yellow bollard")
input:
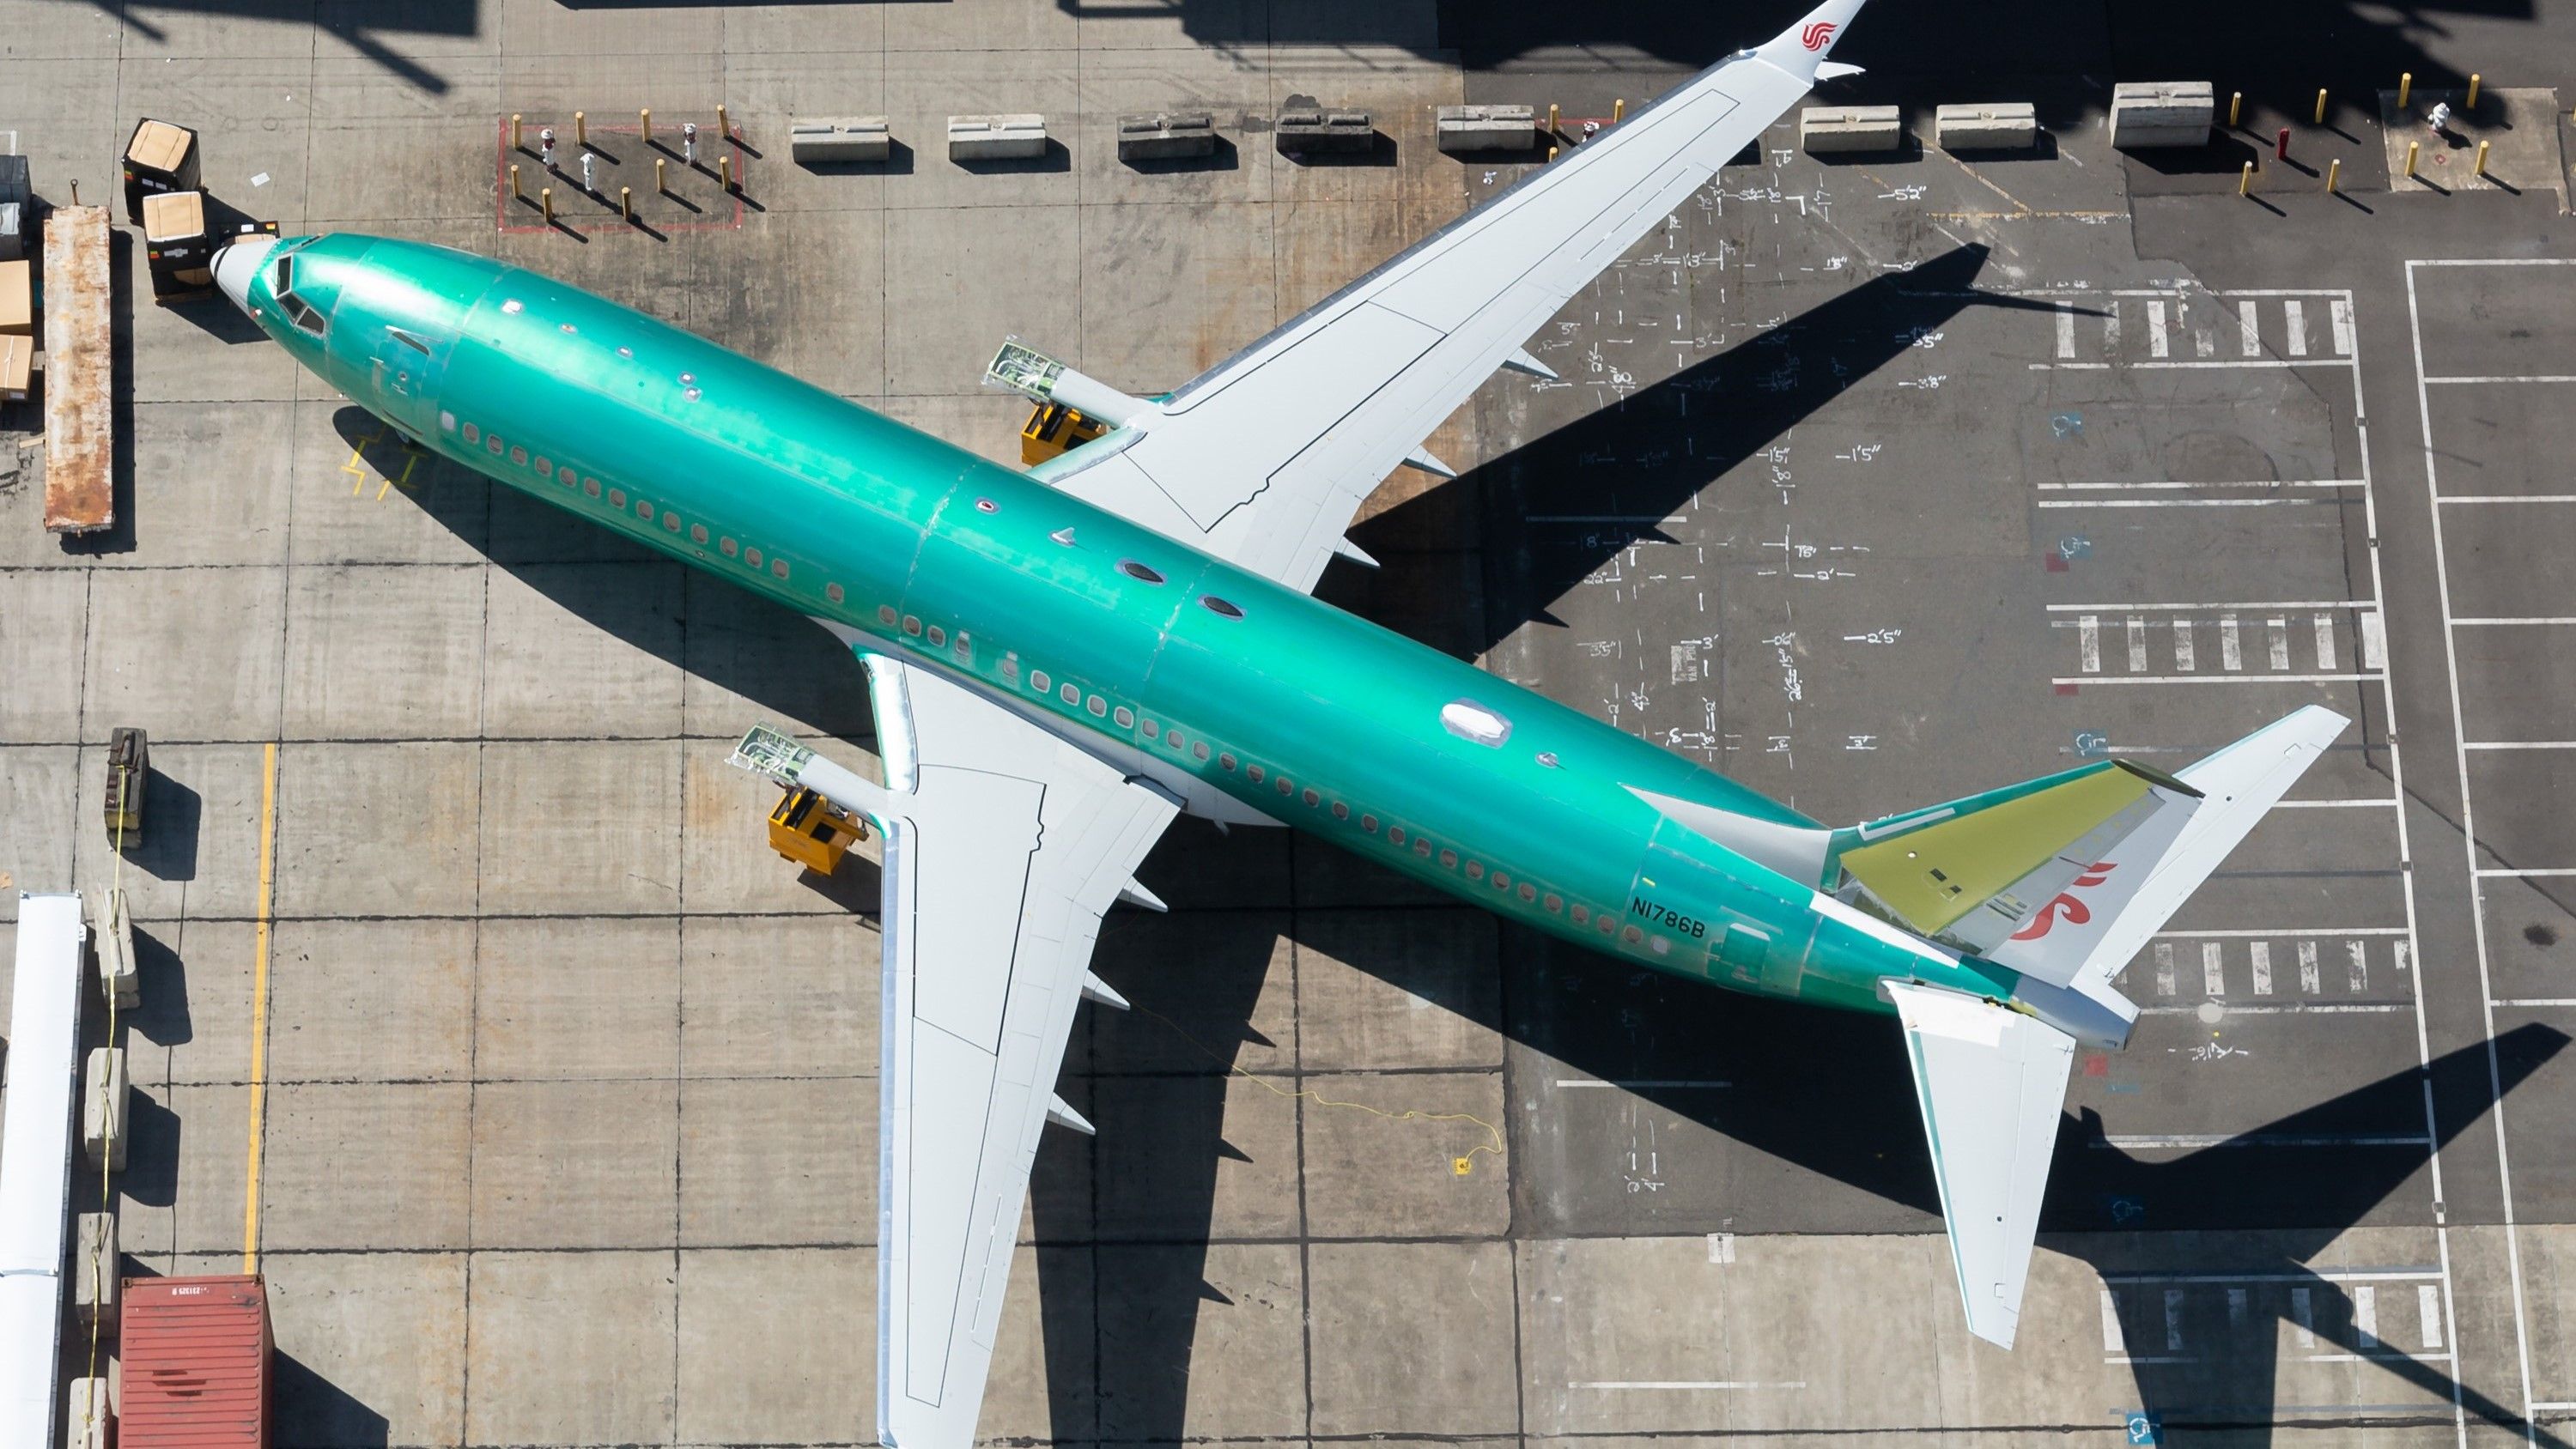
column 1551, row 118
column 2245, row 182
column 546, row 198
column 661, row 185
column 1618, row 110
column 1551, row 153
column 2235, row 108
column 645, row 117
column 724, row 172
column 2473, row 92
column 514, row 132
column 2321, row 108
column 580, row 129
column 724, row 127
column 626, row 203
column 2334, row 174
column 516, row 194
column 2405, row 88
column 2411, row 148
column 2482, row 159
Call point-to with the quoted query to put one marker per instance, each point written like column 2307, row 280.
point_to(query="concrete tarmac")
column 1873, row 483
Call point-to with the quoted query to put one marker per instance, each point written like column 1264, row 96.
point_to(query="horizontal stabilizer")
column 1991, row 1081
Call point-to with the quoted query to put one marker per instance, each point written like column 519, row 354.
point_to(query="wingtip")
column 1802, row 48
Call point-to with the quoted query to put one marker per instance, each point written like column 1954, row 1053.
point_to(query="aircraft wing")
column 1991, row 1081
column 1004, row 845
column 1263, row 459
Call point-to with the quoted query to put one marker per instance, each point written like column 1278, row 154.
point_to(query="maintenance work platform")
column 529, row 1053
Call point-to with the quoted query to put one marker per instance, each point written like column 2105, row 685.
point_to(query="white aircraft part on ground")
column 36, row 1160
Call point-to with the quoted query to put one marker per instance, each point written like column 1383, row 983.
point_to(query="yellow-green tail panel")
column 1932, row 875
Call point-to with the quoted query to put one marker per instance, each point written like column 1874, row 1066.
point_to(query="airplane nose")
column 237, row 266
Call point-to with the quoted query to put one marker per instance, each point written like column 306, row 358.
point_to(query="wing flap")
column 1990, row 1081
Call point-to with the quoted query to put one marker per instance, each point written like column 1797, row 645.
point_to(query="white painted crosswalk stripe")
column 2365, row 1317
column 2303, row 1313
column 2280, row 642
column 2213, row 969
column 2311, row 980
column 2164, row 968
column 2295, row 316
column 2428, row 1315
column 2065, row 329
column 2261, row 953
column 2231, row 652
column 2249, row 328
column 2182, row 646
column 2157, row 343
column 2339, row 312
column 2325, row 643
column 2088, row 643
column 2137, row 645
column 2360, row 965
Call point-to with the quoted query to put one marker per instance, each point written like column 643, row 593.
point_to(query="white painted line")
column 2449, row 499
column 2226, row 483
column 2344, row 1008
column 2428, row 1315
column 2413, row 263
column 2173, row 1320
column 2157, row 344
column 2261, row 951
column 2327, row 1275
column 2297, row 313
column 2231, row 651
column 2113, row 1340
column 2525, row 874
column 2183, row 646
column 2325, row 641
column 2088, row 643
column 2388, row 804
column 2339, row 314
column 2372, row 677
column 2182, row 503
column 2213, row 974
column 2278, row 931
column 2219, row 604
column 2164, row 968
column 2310, row 980
column 2249, row 335
column 2536, row 1001
column 2534, row 377
column 2137, row 645
column 2065, row 330
column 2262, row 362
column 2069, row 366
column 2374, row 641
column 2360, row 957
column 2519, row 745
column 1697, row 1385
column 2365, row 1318
column 1633, row 1084
column 2279, row 631
column 2570, row 1404
column 2260, row 1139
column 1721, row 1248
column 2545, row 619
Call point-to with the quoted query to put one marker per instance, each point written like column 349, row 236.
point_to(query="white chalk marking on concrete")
column 2213, row 972
column 2231, row 651
column 2339, row 313
column 2311, row 980
column 2261, row 952
column 2280, row 642
column 2296, row 312
column 2248, row 333
column 2183, row 647
column 2065, row 330
column 2325, row 642
column 2360, row 955
column 2158, row 345
column 2374, row 640
column 2088, row 643
column 2365, row 1317
column 2428, row 1315
column 2303, row 1312
column 2137, row 645
column 2164, row 968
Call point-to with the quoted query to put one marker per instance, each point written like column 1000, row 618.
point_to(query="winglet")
column 1801, row 49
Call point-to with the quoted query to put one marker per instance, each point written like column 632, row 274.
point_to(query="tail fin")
column 2090, row 928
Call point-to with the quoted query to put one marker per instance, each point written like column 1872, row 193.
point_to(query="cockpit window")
column 297, row 310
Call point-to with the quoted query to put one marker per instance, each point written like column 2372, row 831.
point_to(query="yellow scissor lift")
column 806, row 828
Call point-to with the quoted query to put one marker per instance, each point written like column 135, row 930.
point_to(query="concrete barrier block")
column 113, row 931
column 2148, row 114
column 1464, row 129
column 1826, row 129
column 1166, row 136
column 95, row 1273
column 1996, row 126
column 854, row 138
column 89, row 1417
column 1308, row 131
column 105, row 1090
column 1015, row 137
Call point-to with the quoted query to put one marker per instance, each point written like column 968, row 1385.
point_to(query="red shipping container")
column 195, row 1354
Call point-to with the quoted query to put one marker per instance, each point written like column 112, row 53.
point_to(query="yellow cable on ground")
column 1494, row 1146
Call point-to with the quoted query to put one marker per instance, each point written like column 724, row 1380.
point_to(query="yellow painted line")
column 259, row 1009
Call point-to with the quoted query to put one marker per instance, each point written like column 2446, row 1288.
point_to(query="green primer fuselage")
column 1296, row 709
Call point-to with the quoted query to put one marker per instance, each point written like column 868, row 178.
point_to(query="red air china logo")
column 1818, row 35
column 2065, row 904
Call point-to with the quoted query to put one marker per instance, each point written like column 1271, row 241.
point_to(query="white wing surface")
column 1990, row 1081
column 1004, row 845
column 1264, row 458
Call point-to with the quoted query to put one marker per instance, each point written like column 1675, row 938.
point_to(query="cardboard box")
column 17, row 299
column 17, row 367
column 160, row 157
column 174, row 216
